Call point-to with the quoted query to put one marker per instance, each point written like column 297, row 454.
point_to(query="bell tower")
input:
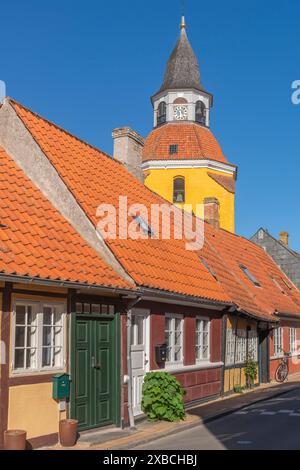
column 182, row 160
column 193, row 102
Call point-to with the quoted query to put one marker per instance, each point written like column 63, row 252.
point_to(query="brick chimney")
column 211, row 211
column 128, row 146
column 284, row 238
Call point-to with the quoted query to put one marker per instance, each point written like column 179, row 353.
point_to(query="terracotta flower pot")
column 68, row 432
column 14, row 439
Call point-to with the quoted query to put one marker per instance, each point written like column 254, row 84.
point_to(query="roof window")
column 249, row 275
column 209, row 268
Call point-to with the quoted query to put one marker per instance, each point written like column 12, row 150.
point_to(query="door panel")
column 82, row 384
column 139, row 357
column 94, row 372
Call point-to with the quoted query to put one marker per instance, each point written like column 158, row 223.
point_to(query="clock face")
column 180, row 112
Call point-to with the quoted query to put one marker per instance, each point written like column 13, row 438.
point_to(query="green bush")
column 238, row 389
column 251, row 370
column 162, row 397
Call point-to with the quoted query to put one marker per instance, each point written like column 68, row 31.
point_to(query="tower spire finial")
column 182, row 24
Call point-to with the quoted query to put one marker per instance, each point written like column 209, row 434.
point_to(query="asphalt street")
column 273, row 424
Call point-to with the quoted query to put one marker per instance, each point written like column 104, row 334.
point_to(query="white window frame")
column 230, row 345
column 293, row 340
column 37, row 307
column 278, row 342
column 199, row 344
column 253, row 344
column 173, row 317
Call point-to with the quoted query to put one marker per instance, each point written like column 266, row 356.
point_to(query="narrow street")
column 273, row 424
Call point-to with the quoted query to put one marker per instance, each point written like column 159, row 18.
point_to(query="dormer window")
column 178, row 189
column 173, row 148
column 200, row 113
column 161, row 113
column 249, row 275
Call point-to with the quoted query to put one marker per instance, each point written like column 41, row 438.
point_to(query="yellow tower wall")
column 198, row 186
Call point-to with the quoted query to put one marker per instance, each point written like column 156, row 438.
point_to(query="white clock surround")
column 191, row 97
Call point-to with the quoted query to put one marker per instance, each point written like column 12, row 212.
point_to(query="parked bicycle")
column 282, row 370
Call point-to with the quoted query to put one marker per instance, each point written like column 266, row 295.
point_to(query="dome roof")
column 194, row 142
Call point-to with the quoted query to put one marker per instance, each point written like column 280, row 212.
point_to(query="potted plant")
column 250, row 371
column 14, row 439
column 68, row 432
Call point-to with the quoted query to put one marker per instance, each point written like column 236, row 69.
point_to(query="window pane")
column 20, row 336
column 31, row 336
column 47, row 318
column 47, row 336
column 46, row 359
column 140, row 330
column 31, row 358
column 19, row 358
column 57, row 362
column 20, row 314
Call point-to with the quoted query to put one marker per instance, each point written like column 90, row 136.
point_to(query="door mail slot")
column 161, row 353
column 61, row 386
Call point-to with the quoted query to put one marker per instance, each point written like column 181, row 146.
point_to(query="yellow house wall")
column 198, row 185
column 31, row 407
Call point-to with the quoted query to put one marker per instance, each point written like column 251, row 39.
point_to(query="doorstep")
column 121, row 439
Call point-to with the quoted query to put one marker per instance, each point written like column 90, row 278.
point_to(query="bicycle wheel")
column 281, row 373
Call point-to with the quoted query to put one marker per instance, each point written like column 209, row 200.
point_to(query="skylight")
column 249, row 275
column 209, row 268
column 286, row 283
column 143, row 225
column 277, row 284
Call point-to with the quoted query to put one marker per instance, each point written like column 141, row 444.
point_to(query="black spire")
column 182, row 70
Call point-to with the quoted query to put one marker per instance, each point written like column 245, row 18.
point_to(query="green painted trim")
column 72, row 339
column 117, row 360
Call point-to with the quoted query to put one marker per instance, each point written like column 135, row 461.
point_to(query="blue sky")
column 92, row 65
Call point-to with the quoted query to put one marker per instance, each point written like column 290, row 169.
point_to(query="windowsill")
column 26, row 373
column 172, row 368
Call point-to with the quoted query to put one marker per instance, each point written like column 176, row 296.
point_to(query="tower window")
column 200, row 112
column 178, row 189
column 161, row 113
column 173, row 149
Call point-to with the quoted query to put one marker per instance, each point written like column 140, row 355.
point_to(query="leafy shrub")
column 251, row 370
column 238, row 389
column 162, row 397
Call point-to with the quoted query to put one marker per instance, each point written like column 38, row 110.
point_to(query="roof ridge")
column 62, row 129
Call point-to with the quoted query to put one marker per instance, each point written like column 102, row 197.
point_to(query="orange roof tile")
column 226, row 252
column 93, row 178
column 194, row 142
column 228, row 182
column 36, row 241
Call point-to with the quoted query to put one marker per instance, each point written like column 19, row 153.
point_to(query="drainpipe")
column 129, row 360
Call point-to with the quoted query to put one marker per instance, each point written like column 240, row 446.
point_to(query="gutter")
column 164, row 295
column 66, row 284
column 288, row 315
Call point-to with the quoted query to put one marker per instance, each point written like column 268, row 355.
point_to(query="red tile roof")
column 94, row 178
column 228, row 182
column 194, row 142
column 36, row 241
column 226, row 252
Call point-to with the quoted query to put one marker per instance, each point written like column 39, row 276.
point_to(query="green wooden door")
column 93, row 379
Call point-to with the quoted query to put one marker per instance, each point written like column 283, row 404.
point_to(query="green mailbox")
column 61, row 386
